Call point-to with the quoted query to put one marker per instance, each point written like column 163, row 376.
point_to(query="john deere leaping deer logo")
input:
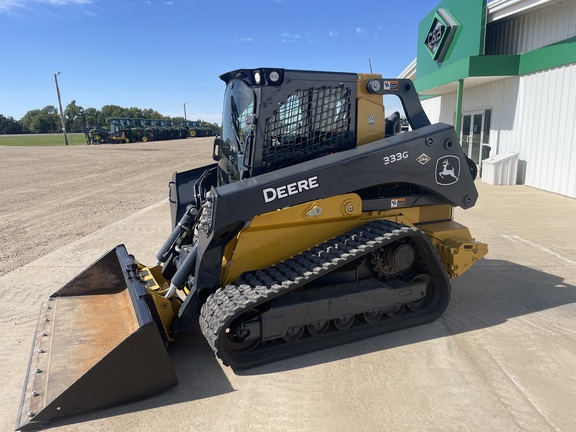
column 447, row 170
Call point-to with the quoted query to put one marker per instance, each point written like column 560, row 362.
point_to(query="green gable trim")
column 476, row 66
column 426, row 96
column 558, row 54
column 498, row 65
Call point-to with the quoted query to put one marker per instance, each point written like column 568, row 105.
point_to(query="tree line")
column 47, row 119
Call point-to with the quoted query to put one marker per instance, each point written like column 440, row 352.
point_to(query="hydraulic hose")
column 183, row 271
column 180, row 229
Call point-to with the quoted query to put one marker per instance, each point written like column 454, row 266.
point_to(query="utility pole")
column 185, row 112
column 60, row 104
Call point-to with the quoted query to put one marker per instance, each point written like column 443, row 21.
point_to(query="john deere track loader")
column 317, row 225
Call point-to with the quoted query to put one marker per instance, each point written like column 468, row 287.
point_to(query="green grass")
column 42, row 140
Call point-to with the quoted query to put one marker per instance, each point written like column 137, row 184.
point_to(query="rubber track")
column 260, row 286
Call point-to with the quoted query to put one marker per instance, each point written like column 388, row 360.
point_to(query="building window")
column 466, row 125
column 487, row 118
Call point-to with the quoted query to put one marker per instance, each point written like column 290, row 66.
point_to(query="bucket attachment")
column 97, row 344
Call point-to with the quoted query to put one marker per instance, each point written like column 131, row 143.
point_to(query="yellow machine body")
column 300, row 227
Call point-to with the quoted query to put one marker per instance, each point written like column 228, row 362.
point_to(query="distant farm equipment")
column 127, row 130
column 195, row 129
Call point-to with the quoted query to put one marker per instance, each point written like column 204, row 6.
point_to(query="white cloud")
column 10, row 4
column 332, row 34
column 244, row 39
column 6, row 5
column 64, row 2
column 359, row 31
column 288, row 37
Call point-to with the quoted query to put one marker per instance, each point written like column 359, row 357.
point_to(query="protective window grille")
column 311, row 123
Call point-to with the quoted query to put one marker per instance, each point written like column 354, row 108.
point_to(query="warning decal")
column 390, row 85
column 398, row 202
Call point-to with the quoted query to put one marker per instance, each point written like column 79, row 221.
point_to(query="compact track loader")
column 318, row 224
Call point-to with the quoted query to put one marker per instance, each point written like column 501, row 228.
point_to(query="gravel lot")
column 51, row 196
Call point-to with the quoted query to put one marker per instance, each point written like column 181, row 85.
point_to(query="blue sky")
column 159, row 54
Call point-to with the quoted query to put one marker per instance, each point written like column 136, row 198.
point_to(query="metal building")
column 504, row 74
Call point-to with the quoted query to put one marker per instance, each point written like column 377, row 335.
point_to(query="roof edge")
column 500, row 9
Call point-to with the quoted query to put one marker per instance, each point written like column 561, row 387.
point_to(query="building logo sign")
column 440, row 34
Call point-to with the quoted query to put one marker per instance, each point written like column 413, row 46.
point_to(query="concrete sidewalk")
column 501, row 358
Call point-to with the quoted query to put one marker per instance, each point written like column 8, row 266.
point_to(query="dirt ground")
column 51, row 196
column 501, row 358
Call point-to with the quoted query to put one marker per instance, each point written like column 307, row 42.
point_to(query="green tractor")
column 195, row 129
column 95, row 135
column 130, row 130
column 120, row 131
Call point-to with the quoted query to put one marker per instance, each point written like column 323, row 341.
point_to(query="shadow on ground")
column 491, row 293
